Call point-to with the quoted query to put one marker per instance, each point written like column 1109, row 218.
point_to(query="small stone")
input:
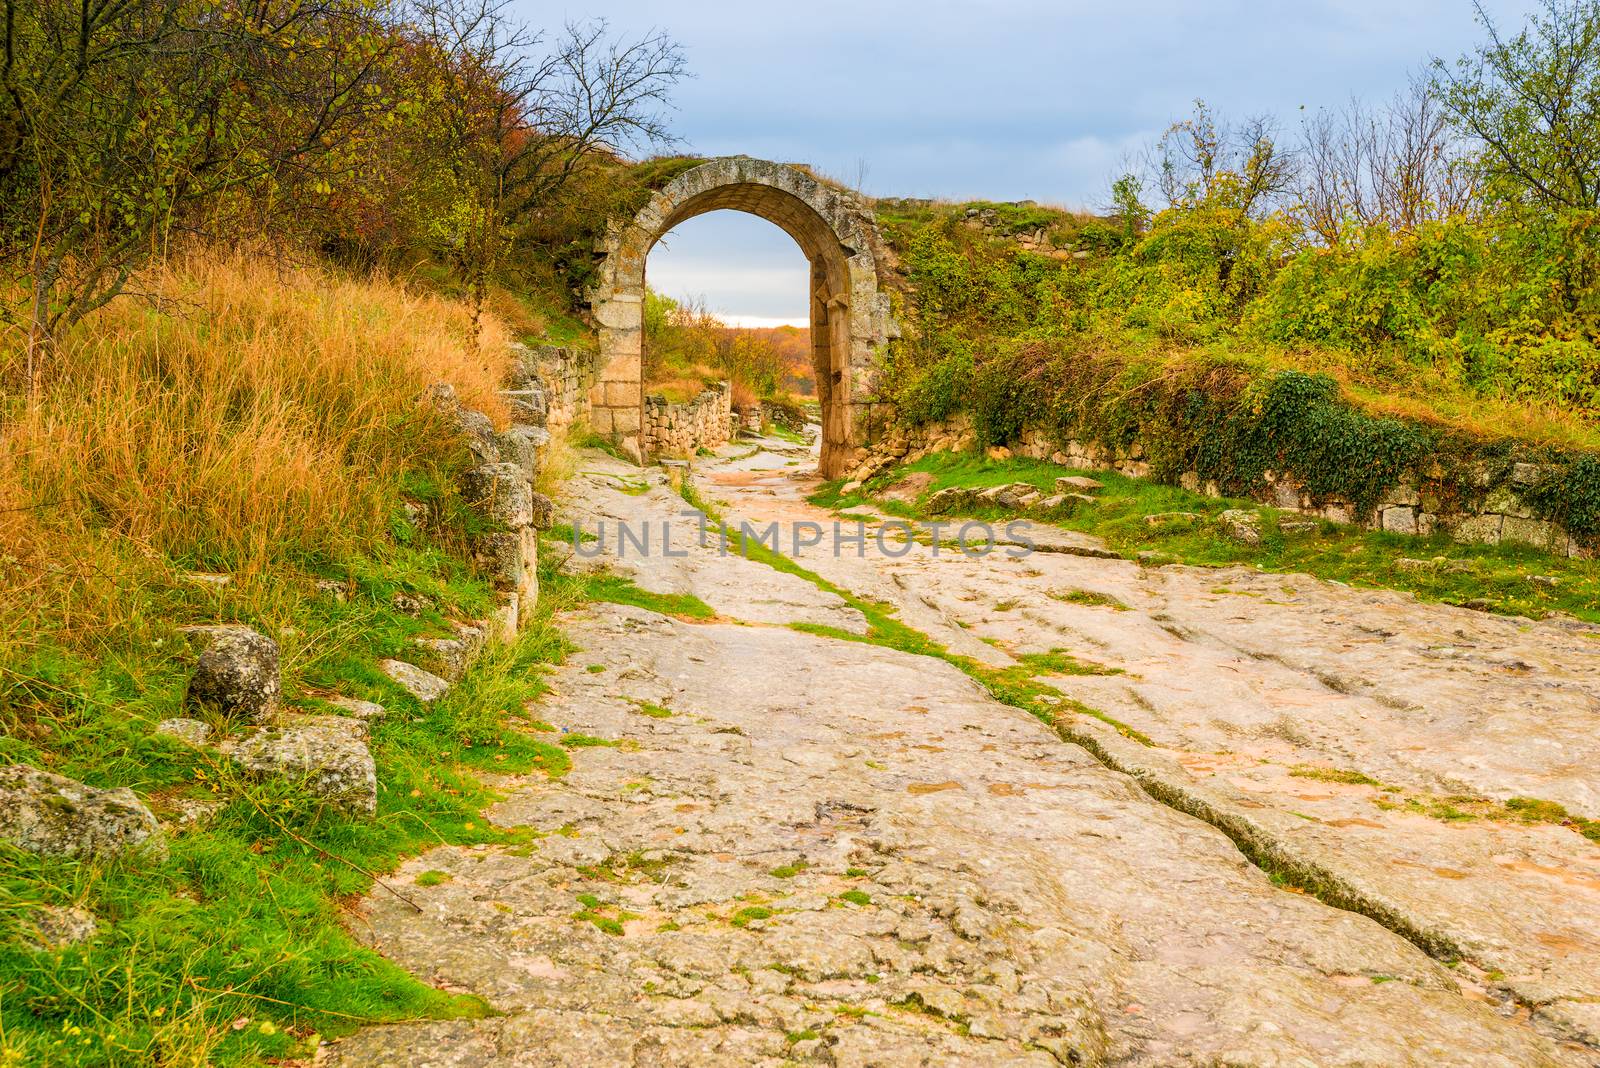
column 1241, row 526
column 359, row 709
column 1078, row 484
column 423, row 685
column 60, row 926
column 1298, row 526
column 56, row 816
column 412, row 604
column 948, row 499
column 237, row 675
column 188, row 731
column 330, row 761
column 332, row 589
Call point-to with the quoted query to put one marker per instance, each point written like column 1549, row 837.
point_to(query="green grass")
column 618, row 589
column 242, row 922
column 1434, row 568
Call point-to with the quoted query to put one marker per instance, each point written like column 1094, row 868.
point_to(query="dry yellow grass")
column 258, row 413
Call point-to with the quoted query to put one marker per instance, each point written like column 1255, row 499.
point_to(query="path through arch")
column 850, row 319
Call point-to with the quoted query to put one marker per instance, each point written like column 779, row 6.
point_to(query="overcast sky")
column 1009, row 100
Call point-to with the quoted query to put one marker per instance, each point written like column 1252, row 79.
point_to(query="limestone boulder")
column 423, row 685
column 1078, row 484
column 237, row 675
column 59, row 926
column 523, row 445
column 1241, row 526
column 329, row 760
column 53, row 815
column 191, row 732
column 355, row 708
column 500, row 492
column 948, row 500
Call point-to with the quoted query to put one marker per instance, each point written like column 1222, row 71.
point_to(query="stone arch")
column 850, row 321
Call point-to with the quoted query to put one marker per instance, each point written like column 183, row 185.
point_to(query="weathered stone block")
column 237, row 675
column 56, row 816
column 500, row 492
column 1240, row 525
column 329, row 760
column 1535, row 532
column 188, row 731
column 1478, row 528
column 423, row 685
column 1399, row 519
column 523, row 445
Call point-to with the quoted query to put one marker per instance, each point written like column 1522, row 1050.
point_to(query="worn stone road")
column 806, row 849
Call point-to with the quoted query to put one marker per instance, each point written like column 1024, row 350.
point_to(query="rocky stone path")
column 804, row 849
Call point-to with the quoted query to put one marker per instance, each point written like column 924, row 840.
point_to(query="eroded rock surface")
column 811, row 850
column 237, row 675
column 53, row 815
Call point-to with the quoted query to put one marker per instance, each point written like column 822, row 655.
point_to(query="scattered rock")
column 330, row 761
column 333, row 589
column 853, row 486
column 1240, row 525
column 188, row 731
column 1058, row 502
column 56, row 816
column 359, row 709
column 412, row 604
column 423, row 685
column 455, row 654
column 948, row 500
column 60, row 926
column 1298, row 526
column 1078, row 483
column 1015, row 496
column 192, row 813
column 237, row 675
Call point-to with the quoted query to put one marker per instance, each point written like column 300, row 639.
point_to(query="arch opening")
column 849, row 315
column 728, row 298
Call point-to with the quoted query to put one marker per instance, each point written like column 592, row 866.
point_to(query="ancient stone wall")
column 551, row 385
column 682, row 429
column 850, row 320
column 1412, row 507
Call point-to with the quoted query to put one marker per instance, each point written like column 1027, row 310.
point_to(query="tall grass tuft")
column 251, row 414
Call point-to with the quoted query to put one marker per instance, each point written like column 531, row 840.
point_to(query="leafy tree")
column 121, row 119
column 519, row 114
column 1532, row 102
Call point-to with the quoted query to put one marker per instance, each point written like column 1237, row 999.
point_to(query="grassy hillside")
column 1452, row 350
column 260, row 425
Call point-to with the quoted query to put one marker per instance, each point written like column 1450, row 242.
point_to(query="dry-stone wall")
column 1412, row 507
column 550, row 385
column 682, row 429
